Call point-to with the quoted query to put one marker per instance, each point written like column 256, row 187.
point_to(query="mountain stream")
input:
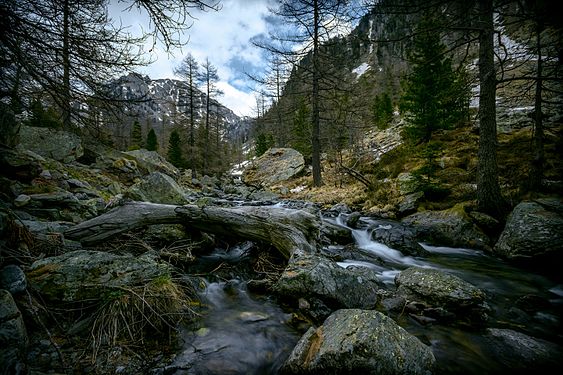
column 247, row 333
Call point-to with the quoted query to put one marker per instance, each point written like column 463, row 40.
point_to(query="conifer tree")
column 174, row 149
column 136, row 136
column 434, row 97
column 301, row 130
column 152, row 142
column 382, row 110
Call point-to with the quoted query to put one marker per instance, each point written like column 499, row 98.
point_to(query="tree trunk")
column 290, row 231
column 315, row 141
column 66, row 106
column 489, row 198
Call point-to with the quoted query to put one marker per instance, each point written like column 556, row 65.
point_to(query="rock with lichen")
column 441, row 293
column 359, row 341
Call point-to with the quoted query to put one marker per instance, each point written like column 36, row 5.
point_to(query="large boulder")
column 152, row 161
column 20, row 165
column 275, row 165
column 533, row 230
column 157, row 188
column 397, row 236
column 86, row 275
column 518, row 353
column 451, row 227
column 13, row 336
column 313, row 277
column 50, row 143
column 359, row 342
column 442, row 294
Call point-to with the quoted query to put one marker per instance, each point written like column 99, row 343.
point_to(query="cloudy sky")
column 224, row 37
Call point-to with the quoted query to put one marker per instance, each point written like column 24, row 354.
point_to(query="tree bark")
column 489, row 198
column 66, row 67
column 315, row 141
column 290, row 231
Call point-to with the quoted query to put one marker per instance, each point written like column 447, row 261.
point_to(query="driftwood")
column 289, row 230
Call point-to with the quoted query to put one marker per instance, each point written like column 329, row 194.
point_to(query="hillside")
column 162, row 104
column 367, row 164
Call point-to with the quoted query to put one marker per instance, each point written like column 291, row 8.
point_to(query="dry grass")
column 131, row 315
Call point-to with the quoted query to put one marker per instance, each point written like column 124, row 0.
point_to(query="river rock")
column 337, row 233
column 157, row 188
column 532, row 230
column 152, row 161
column 312, row 276
column 452, row 227
column 397, row 236
column 275, row 165
column 442, row 292
column 85, row 275
column 518, row 353
column 50, row 143
column 13, row 336
column 359, row 342
column 12, row 278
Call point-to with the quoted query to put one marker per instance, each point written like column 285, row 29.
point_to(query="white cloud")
column 223, row 37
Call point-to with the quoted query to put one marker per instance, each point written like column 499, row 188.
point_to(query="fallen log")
column 289, row 230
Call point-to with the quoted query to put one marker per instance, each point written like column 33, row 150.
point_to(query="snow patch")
column 298, row 189
column 360, row 70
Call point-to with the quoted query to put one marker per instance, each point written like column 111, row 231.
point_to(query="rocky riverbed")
column 435, row 292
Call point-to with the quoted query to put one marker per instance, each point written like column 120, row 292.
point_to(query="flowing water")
column 244, row 333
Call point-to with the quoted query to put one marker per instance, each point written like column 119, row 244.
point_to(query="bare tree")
column 71, row 49
column 190, row 72
column 313, row 22
column 208, row 78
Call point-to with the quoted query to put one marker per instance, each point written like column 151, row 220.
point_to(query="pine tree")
column 301, row 130
column 152, row 142
column 263, row 142
column 434, row 96
column 174, row 149
column 382, row 111
column 136, row 136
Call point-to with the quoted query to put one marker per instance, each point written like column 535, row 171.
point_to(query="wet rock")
column 165, row 233
column 397, row 236
column 50, row 143
column 337, row 233
column 361, row 342
column 87, row 275
column 394, row 303
column 452, row 227
column 438, row 289
column 519, row 353
column 157, row 188
column 313, row 276
column 13, row 336
column 12, row 279
column 340, row 208
column 275, row 165
column 532, row 230
column 352, row 219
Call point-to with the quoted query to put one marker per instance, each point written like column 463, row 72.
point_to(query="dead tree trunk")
column 290, row 231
